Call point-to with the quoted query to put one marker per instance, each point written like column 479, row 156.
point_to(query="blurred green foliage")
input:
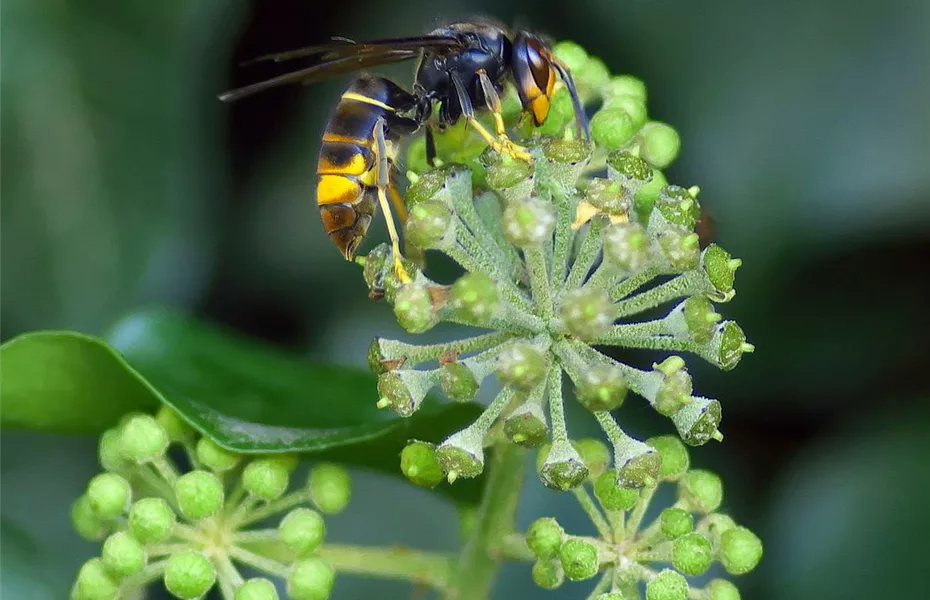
column 126, row 183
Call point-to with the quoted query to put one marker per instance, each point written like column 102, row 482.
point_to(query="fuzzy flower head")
column 566, row 257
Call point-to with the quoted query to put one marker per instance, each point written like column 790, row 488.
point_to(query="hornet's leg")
column 501, row 144
column 430, row 147
column 384, row 184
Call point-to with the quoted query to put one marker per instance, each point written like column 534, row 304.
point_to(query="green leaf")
column 66, row 382
column 244, row 395
column 20, row 575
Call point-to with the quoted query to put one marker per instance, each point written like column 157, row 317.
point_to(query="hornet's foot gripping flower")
column 563, row 257
column 191, row 529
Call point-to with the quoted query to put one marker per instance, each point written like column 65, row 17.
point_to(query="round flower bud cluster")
column 563, row 255
column 193, row 530
column 683, row 541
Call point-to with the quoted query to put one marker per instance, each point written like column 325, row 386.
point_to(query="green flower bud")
column 626, row 85
column 565, row 160
column 729, row 344
column 419, row 464
column 678, row 206
column 215, row 458
column 177, row 428
column 633, row 106
column 740, row 551
column 660, row 144
column 716, row 524
column 647, row 196
column 122, row 555
column 675, row 390
column 288, row 460
column 720, row 267
column 593, row 77
column 109, row 495
column 612, row 128
column 629, row 170
column 151, row 520
column 521, row 367
column 200, row 494
column 265, row 479
column 586, row 312
column 579, row 559
column 611, row 495
column 429, row 225
column 474, row 298
column 379, row 275
column 692, row 553
column 189, row 575
column 257, row 588
column 143, row 439
column 85, row 520
column 94, row 582
column 403, row 390
column 415, row 159
column 548, row 574
column 426, row 187
column 572, row 55
column 330, row 488
column 310, row 579
column 700, row 491
column 526, row 425
column 528, row 222
column 607, row 196
column 626, row 245
column 676, row 522
column 700, row 318
column 302, row 531
column 721, row 589
column 698, row 422
column 602, row 387
column 571, row 152
column 560, row 466
column 675, row 460
column 544, row 538
column 505, row 173
column 461, row 456
column 595, row 454
column 414, row 309
column 637, row 464
column 458, row 382
column 110, row 451
column 681, row 250
column 667, row 585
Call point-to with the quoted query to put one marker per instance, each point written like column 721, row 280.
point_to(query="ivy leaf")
column 66, row 382
column 242, row 394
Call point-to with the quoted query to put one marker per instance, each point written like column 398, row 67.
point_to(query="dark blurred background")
column 806, row 124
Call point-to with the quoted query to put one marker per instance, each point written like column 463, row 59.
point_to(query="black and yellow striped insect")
column 461, row 65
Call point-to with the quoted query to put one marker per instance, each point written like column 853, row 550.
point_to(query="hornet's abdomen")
column 347, row 173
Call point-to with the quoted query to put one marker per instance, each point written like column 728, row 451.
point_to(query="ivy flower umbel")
column 632, row 555
column 561, row 257
column 191, row 530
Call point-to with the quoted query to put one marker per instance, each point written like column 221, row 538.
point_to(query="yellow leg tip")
column 400, row 271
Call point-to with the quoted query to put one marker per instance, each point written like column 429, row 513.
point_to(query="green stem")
column 427, row 568
column 150, row 573
column 601, row 586
column 414, row 355
column 593, row 512
column 631, row 333
column 465, row 255
column 687, row 284
column 556, row 405
column 587, row 254
column 282, row 504
column 564, row 237
column 477, row 567
column 539, row 280
column 636, row 517
column 631, row 284
column 165, row 470
column 257, row 561
column 513, row 547
column 228, row 576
